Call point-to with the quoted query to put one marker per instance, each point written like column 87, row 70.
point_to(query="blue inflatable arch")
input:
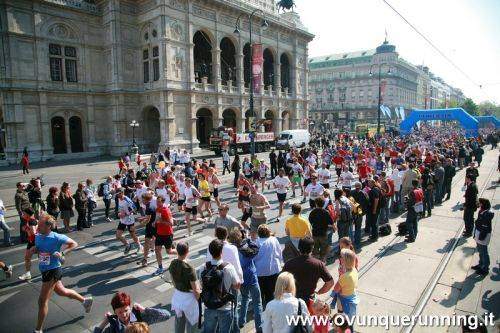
column 488, row 119
column 466, row 120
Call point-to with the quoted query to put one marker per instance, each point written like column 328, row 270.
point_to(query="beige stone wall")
column 110, row 92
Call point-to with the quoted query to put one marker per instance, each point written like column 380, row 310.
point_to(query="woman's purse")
column 300, row 327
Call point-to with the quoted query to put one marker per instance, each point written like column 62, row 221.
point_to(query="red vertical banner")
column 382, row 91
column 257, row 62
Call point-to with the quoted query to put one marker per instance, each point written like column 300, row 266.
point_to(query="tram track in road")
column 427, row 293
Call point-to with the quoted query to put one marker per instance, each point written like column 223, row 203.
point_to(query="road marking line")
column 164, row 287
column 96, row 249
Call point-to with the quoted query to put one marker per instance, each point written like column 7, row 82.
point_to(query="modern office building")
column 75, row 73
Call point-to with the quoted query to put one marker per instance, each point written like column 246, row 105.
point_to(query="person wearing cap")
column 22, row 202
column 470, row 204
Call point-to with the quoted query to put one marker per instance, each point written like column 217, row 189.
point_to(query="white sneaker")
column 139, row 249
column 151, row 253
column 87, row 304
column 25, row 277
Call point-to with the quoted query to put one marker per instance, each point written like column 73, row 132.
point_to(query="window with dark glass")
column 71, row 75
column 54, row 49
column 59, row 61
column 56, row 69
column 156, row 69
column 145, row 54
column 146, row 71
column 156, row 51
column 70, row 51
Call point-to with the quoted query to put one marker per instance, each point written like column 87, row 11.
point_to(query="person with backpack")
column 125, row 314
column 428, row 188
column 343, row 208
column 247, row 251
column 414, row 204
column 219, row 281
column 362, row 199
column 187, row 291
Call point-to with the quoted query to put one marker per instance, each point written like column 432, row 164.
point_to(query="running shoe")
column 25, row 277
column 87, row 304
column 127, row 249
column 139, row 249
column 8, row 272
column 159, row 271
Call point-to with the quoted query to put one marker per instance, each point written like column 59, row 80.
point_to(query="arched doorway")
column 285, row 120
column 268, row 68
column 75, row 134
column 246, row 64
column 285, row 71
column 202, row 54
column 204, row 125
column 58, row 135
column 228, row 61
column 269, row 123
column 249, row 119
column 229, row 118
column 152, row 133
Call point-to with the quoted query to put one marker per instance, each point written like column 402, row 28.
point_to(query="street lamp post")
column 134, row 124
column 379, row 89
column 237, row 31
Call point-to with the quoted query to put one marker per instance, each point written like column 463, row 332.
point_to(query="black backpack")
column 385, row 230
column 345, row 213
column 100, row 190
column 213, row 292
column 402, row 229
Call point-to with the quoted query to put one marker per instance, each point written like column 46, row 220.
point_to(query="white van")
column 293, row 139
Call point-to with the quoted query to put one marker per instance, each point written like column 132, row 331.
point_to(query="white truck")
column 293, row 139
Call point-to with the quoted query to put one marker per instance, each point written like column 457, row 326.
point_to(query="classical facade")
column 75, row 73
column 344, row 87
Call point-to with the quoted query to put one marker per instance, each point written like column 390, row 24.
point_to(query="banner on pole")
column 257, row 62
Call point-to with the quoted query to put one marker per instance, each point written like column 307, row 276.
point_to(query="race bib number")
column 44, row 259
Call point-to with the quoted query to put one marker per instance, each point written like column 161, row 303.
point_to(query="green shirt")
column 182, row 275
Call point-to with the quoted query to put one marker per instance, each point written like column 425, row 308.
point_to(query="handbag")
column 300, row 327
column 419, row 207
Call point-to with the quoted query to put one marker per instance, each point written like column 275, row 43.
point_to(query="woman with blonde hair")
column 285, row 305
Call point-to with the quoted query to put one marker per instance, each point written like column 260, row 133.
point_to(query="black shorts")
column 150, row 231
column 122, row 226
column 180, row 202
column 312, row 204
column 281, row 197
column 215, row 193
column 338, row 171
column 192, row 210
column 29, row 245
column 52, row 275
column 249, row 176
column 246, row 215
column 307, row 182
column 206, row 199
column 166, row 241
column 325, row 185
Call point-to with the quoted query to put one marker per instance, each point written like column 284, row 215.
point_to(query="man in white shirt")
column 184, row 158
column 313, row 190
column 229, row 252
column 224, row 316
column 324, row 176
column 281, row 183
column 225, row 162
column 346, row 177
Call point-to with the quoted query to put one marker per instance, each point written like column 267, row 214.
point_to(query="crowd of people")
column 343, row 181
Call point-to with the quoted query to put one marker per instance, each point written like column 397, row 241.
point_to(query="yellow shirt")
column 297, row 226
column 349, row 282
column 204, row 188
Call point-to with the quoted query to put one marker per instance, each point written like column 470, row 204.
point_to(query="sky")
column 466, row 31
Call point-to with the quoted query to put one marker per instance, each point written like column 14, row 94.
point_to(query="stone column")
column 277, row 78
column 216, row 70
column 191, row 121
column 240, row 72
column 66, row 132
column 91, row 123
column 46, row 138
column 163, row 113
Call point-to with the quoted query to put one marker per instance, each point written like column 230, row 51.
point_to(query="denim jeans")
column 222, row 319
column 357, row 221
column 383, row 216
column 254, row 292
column 182, row 325
column 372, row 225
column 484, row 257
column 412, row 223
column 438, row 190
column 428, row 201
column 6, row 231
column 91, row 205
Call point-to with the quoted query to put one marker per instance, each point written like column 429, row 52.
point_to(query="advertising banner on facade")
column 257, row 62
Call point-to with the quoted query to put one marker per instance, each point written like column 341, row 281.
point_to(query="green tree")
column 488, row 108
column 469, row 106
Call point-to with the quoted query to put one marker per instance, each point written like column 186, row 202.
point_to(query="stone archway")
column 268, row 68
column 229, row 118
column 269, row 123
column 249, row 119
column 58, row 135
column 152, row 132
column 75, row 134
column 202, row 56
column 204, row 125
column 285, row 71
column 228, row 61
column 285, row 120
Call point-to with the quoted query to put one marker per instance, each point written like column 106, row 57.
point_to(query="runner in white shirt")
column 281, row 183
column 308, row 171
column 314, row 190
column 346, row 177
column 324, row 175
column 181, row 186
column 126, row 210
column 297, row 177
column 263, row 174
column 191, row 195
column 311, row 159
column 165, row 192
